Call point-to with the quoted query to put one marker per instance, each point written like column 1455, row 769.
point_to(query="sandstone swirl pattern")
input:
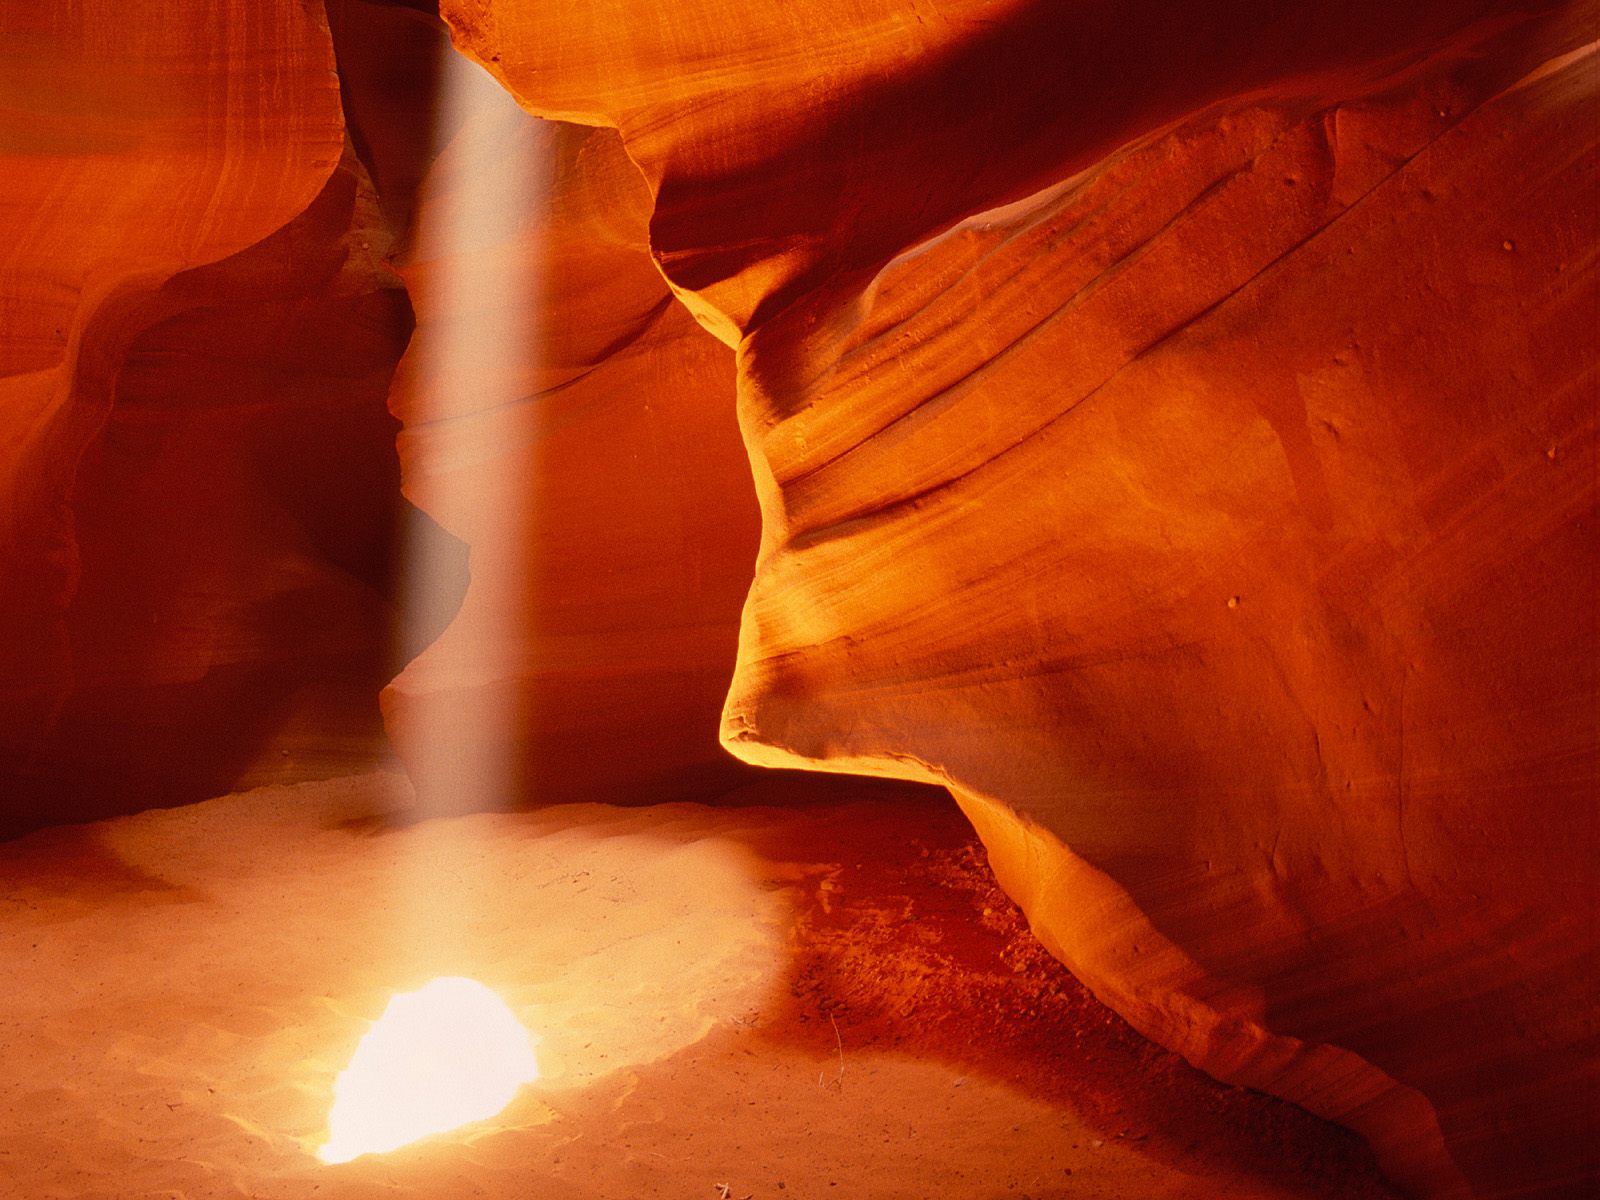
column 190, row 280
column 1174, row 432
column 1172, row 428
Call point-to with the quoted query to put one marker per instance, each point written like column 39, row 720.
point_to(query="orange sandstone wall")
column 1174, row 430
column 166, row 548
column 596, row 473
column 200, row 508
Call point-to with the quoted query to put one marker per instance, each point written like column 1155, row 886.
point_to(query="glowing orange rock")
column 1236, row 584
column 1173, row 427
column 143, row 145
column 1213, row 516
column 582, row 442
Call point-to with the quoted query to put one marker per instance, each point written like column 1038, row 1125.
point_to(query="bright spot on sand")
column 445, row 1055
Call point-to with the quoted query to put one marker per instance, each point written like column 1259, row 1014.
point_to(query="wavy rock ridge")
column 1174, row 432
column 1172, row 429
column 178, row 569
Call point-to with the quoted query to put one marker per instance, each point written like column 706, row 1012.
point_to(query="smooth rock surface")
column 1172, row 428
column 1175, row 432
column 181, row 295
column 569, row 421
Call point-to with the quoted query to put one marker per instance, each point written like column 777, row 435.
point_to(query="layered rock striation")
column 1172, row 429
column 209, row 572
column 185, row 289
column 566, row 419
column 1174, row 432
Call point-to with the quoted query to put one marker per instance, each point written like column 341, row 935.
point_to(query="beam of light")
column 468, row 388
column 438, row 1058
column 452, row 1053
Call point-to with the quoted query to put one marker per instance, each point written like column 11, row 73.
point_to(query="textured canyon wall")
column 1174, row 429
column 572, row 424
column 207, row 570
column 188, row 285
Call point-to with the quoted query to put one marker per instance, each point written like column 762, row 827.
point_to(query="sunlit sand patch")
column 177, row 1021
column 440, row 1057
column 274, row 927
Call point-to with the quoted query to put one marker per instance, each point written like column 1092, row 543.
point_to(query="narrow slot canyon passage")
column 861, row 599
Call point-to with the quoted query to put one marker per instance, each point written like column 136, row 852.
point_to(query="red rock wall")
column 596, row 472
column 1172, row 426
column 232, row 520
column 201, row 483
column 177, row 566
column 1174, row 431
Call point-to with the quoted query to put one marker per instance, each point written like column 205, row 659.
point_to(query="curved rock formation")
column 1174, row 429
column 199, row 482
column 193, row 283
column 572, row 424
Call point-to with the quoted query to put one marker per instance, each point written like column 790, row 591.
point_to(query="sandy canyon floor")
column 758, row 1000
